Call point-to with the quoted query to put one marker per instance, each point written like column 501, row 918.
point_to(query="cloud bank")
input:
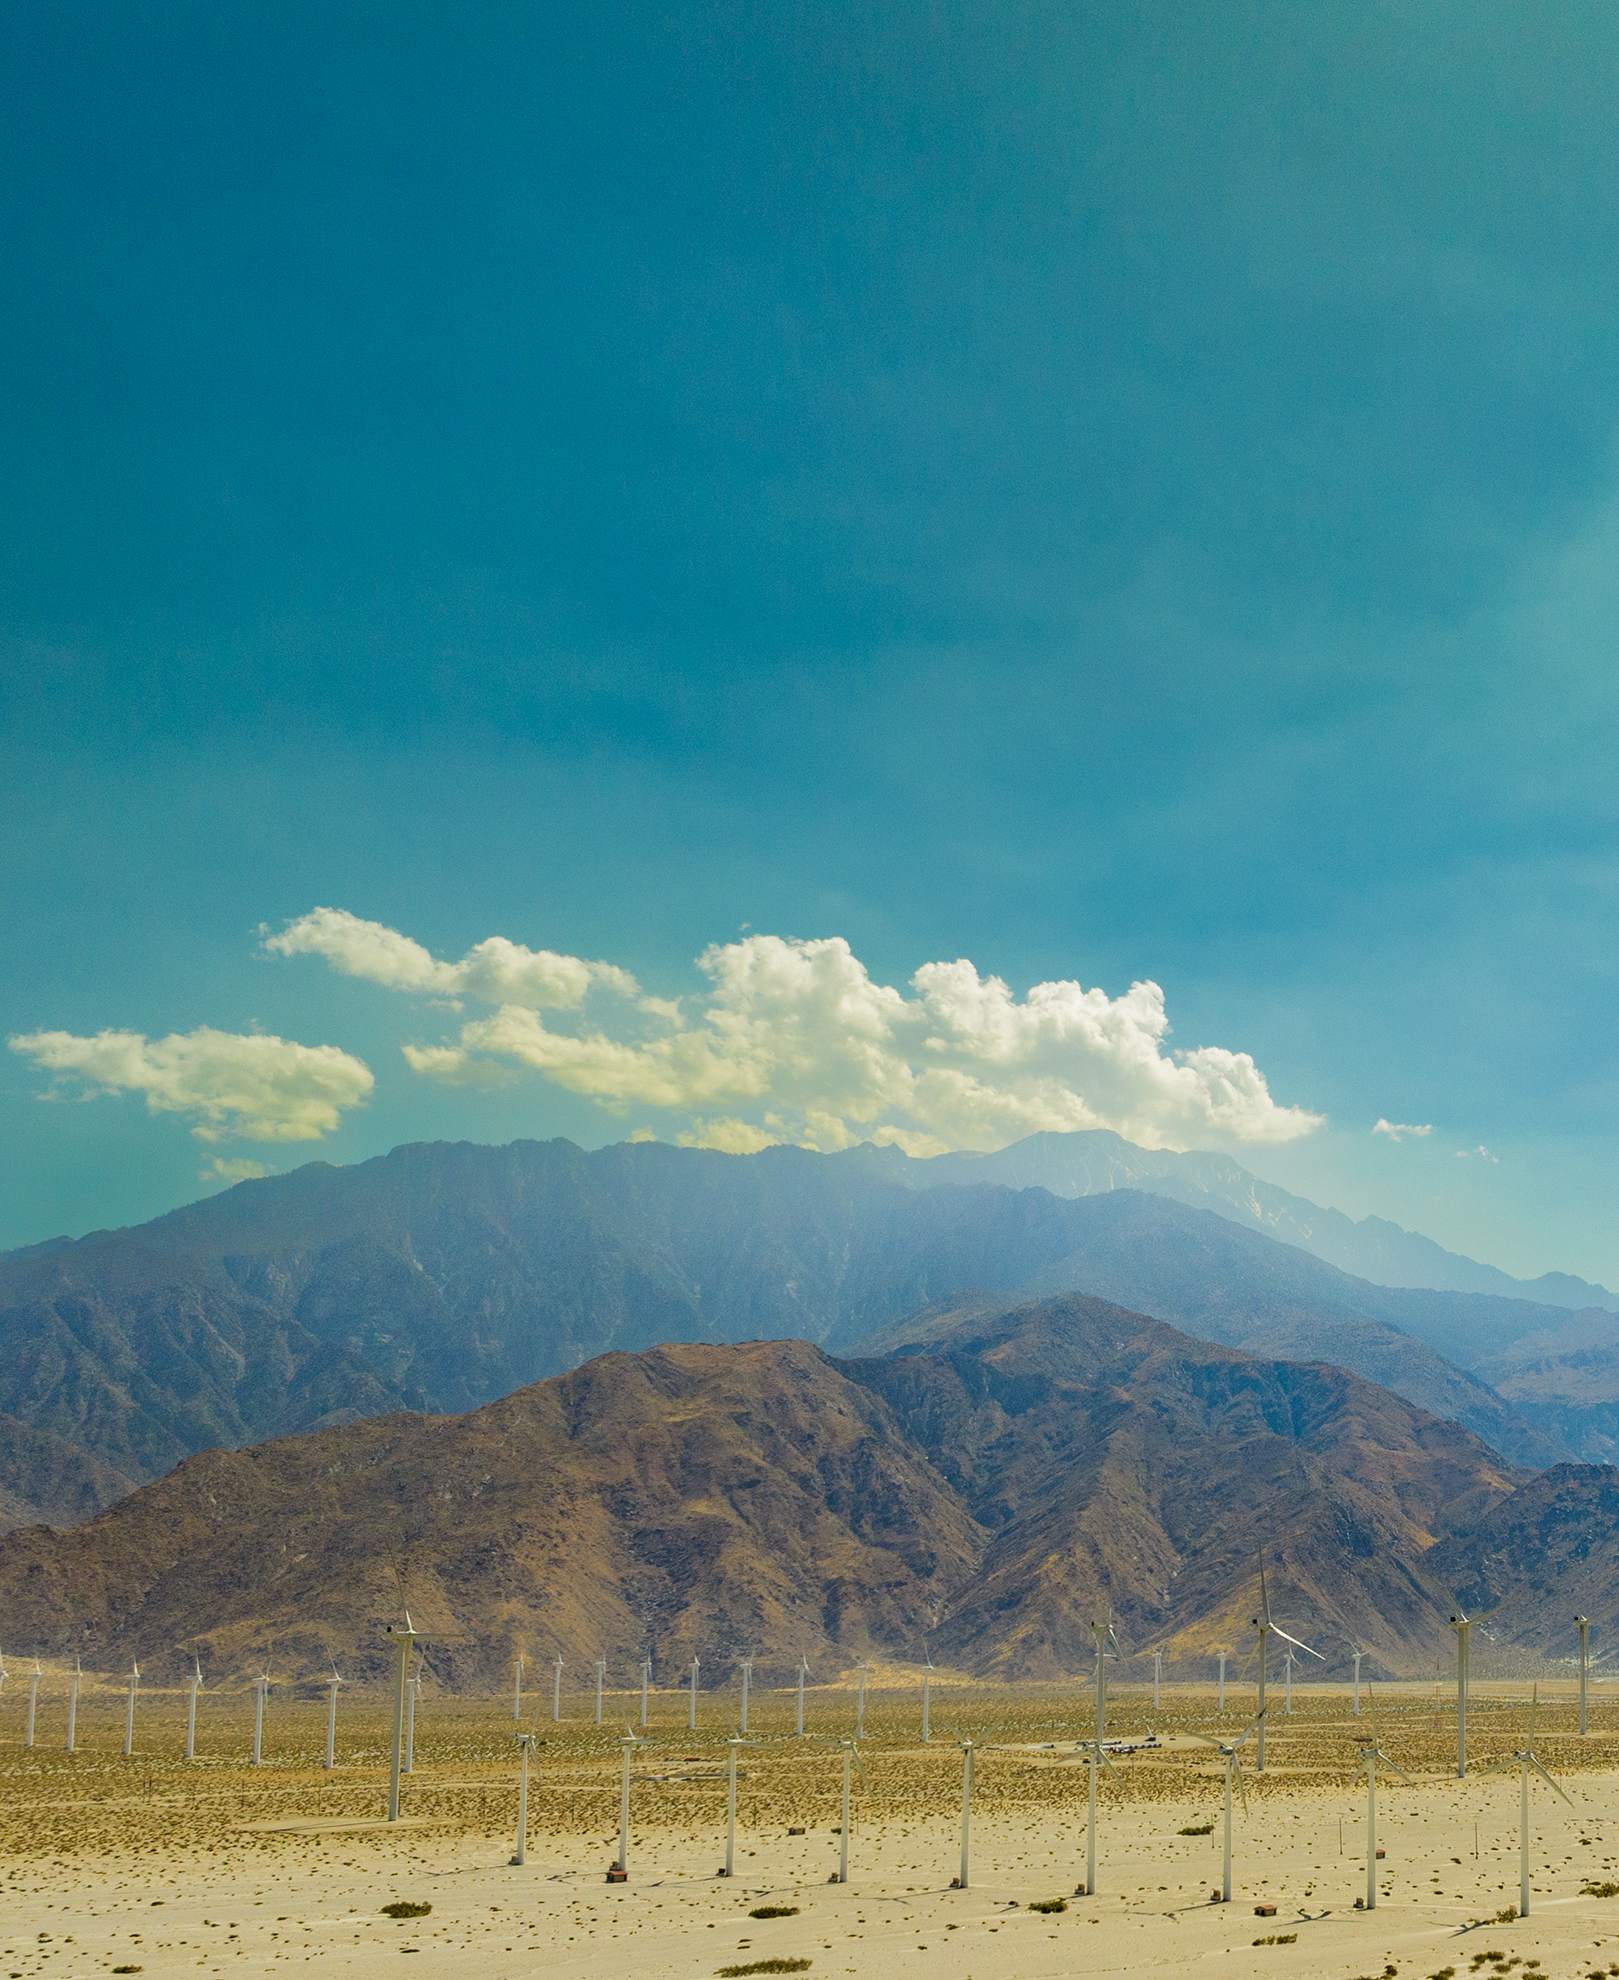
column 793, row 1041
column 236, row 1086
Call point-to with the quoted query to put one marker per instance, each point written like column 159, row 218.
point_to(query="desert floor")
column 150, row 1865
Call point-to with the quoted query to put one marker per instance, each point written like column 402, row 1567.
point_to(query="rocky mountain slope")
column 991, row 1492
column 443, row 1276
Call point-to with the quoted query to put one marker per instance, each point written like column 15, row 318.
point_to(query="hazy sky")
column 1105, row 496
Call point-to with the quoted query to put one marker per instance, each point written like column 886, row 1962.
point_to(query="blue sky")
column 1113, row 495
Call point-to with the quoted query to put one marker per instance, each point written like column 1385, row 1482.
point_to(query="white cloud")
column 250, row 1087
column 228, row 1169
column 495, row 971
column 1484, row 1155
column 1398, row 1130
column 793, row 1041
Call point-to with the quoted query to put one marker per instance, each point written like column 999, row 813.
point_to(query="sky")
column 813, row 573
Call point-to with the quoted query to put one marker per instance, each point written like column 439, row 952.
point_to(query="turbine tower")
column 517, row 1687
column 1370, row 1754
column 1525, row 1761
column 331, row 1718
column 129, row 1710
column 33, row 1701
column 1267, row 1629
column 193, row 1686
column 556, row 1694
column 691, row 1715
column 747, row 1679
column 73, row 1684
column 803, row 1672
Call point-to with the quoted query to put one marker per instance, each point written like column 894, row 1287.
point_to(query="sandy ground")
column 147, row 1865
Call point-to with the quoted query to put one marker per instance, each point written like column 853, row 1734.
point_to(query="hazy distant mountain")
column 1092, row 1163
column 717, row 1501
column 443, row 1276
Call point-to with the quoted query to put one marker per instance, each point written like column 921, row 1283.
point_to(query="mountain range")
column 443, row 1276
column 983, row 1495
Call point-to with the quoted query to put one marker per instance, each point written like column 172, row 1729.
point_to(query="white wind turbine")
column 803, row 1672
column 406, row 1636
column 851, row 1752
column 1233, row 1772
column 1358, row 1654
column 331, row 1717
column 1157, row 1675
column 1287, row 1700
column 73, row 1684
column 1222, row 1655
column 734, row 1742
column 261, row 1685
column 556, row 1694
column 193, row 1686
column 860, row 1707
column 1370, row 1754
column 1588, row 1663
column 1463, row 1625
column 646, row 1679
column 517, row 1687
column 525, row 1746
column 601, row 1678
column 1094, row 1751
column 927, row 1673
column 129, row 1710
column 960, row 1883
column 627, row 1745
column 1525, row 1760
column 33, row 1701
column 747, row 1679
column 691, row 1714
column 1267, row 1629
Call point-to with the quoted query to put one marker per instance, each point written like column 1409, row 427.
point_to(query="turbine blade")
column 1297, row 1645
column 1242, row 1792
column 1541, row 1771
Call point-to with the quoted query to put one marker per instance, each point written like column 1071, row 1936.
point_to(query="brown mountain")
column 1017, row 1476
column 441, row 1277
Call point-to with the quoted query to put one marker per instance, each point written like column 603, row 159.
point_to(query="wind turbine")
column 33, row 1701
column 406, row 1635
column 966, row 1745
column 517, row 1688
column 851, row 1752
column 1524, row 1759
column 601, row 1677
column 733, row 1743
column 193, row 1686
column 129, row 1710
column 927, row 1673
column 747, row 1679
column 646, row 1679
column 1267, row 1629
column 73, row 1684
column 556, row 1694
column 1157, row 1675
column 1370, row 1754
column 1233, row 1772
column 525, row 1746
column 1222, row 1655
column 1287, row 1702
column 1092, row 1754
column 1583, row 1625
column 627, row 1744
column 331, row 1718
column 261, row 1685
column 803, row 1672
column 1102, row 1634
column 1357, row 1653
column 691, row 1714
column 1463, row 1625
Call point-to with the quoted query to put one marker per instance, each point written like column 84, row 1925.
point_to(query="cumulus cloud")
column 794, row 1041
column 1398, row 1130
column 228, row 1169
column 1484, row 1155
column 235, row 1086
column 494, row 972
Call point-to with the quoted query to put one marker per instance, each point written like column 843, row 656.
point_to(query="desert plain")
column 149, row 1864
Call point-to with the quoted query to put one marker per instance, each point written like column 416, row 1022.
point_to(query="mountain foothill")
column 668, row 1402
